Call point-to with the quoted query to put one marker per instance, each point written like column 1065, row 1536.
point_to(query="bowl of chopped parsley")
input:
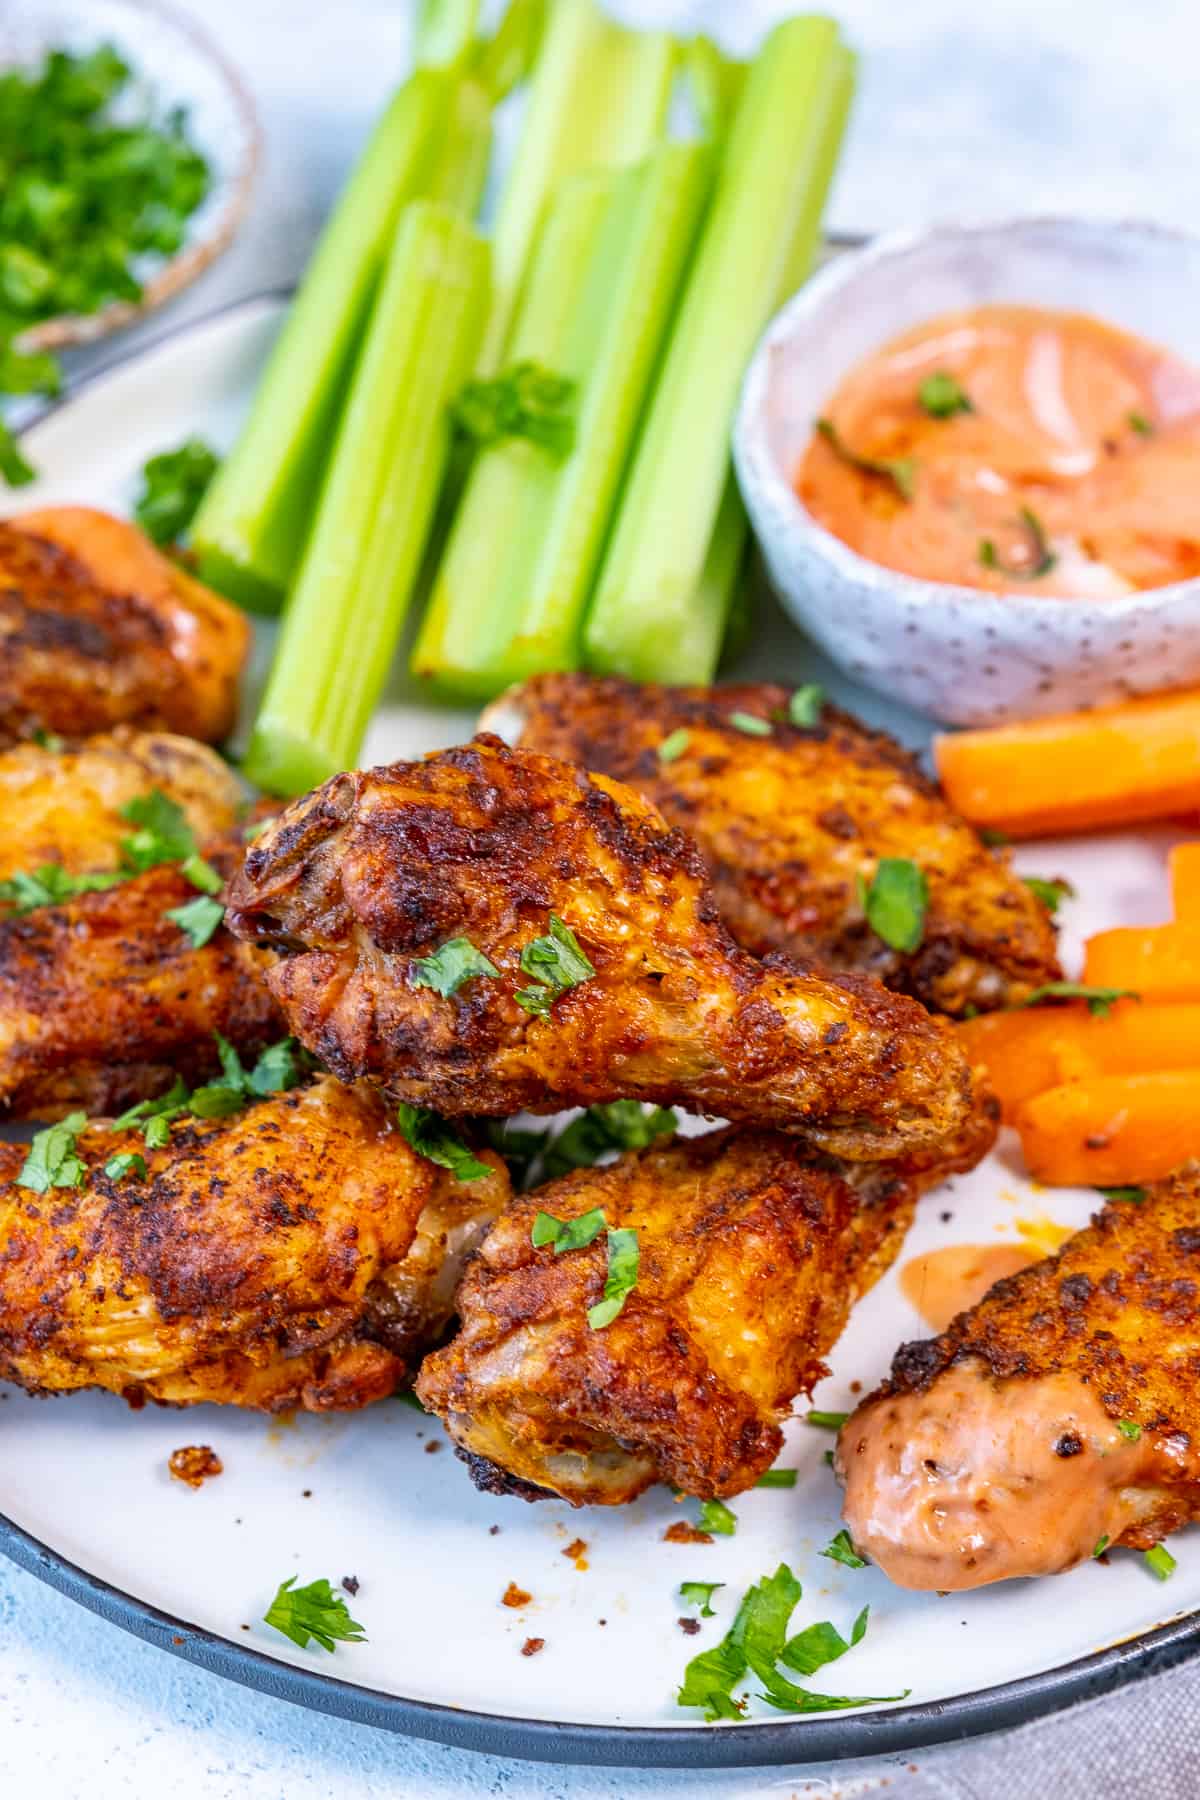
column 127, row 153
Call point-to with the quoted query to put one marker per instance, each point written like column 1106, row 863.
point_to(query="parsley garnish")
column 524, row 401
column 1160, row 1562
column 557, row 963
column 49, row 740
column 1138, row 422
column 699, row 1594
column 1134, row 1195
column 826, row 1421
column 1102, row 1544
column 448, row 968
column 1129, row 1429
column 673, row 747
column 281, row 1066
column 1050, row 893
column 941, row 395
column 128, row 1162
column 1100, row 1001
column 567, row 1234
column 750, row 723
column 163, row 834
column 778, row 1478
column 811, row 1650
column 438, row 1142
column 174, row 484
column 901, row 471
column 52, row 885
column 619, row 1125
column 895, row 902
column 804, row 707
column 1041, row 557
column 52, row 1161
column 198, row 919
column 313, row 1612
column 623, row 1259
column 840, row 1549
column 718, row 1518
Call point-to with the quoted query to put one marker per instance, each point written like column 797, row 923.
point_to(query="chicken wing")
column 97, row 628
column 752, row 1249
column 104, row 1000
column 1057, row 1416
column 299, row 1254
column 792, row 824
column 641, row 994
column 65, row 806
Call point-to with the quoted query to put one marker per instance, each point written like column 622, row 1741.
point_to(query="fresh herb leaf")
column 157, row 1134
column 49, row 740
column 201, row 874
column 447, row 969
column 567, row 1234
column 557, row 963
column 173, row 485
column 839, row 1549
column 1160, row 1562
column 52, row 1161
column 821, row 1644
column 163, row 834
column 314, row 1612
column 127, row 1162
column 52, row 885
column 992, row 838
column 619, row 1125
column 1129, row 1429
column 718, row 1518
column 901, row 471
column 700, row 1593
column 524, row 401
column 826, row 1421
column 1138, row 422
column 198, row 919
column 804, row 707
column 438, row 1142
column 895, row 902
column 827, row 1458
column 778, row 1478
column 623, row 1259
column 710, row 1678
column 673, row 747
column 1040, row 560
column 750, row 723
column 1100, row 1001
column 14, row 470
column 1050, row 893
column 941, row 395
column 280, row 1066
column 1134, row 1195
column 1102, row 1544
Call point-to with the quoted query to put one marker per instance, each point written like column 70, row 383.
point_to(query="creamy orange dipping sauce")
column 1061, row 456
column 944, row 1283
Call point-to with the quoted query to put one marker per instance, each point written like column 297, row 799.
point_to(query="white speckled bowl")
column 957, row 653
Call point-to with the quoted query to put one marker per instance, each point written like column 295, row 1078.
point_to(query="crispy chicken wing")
column 790, row 825
column 1059, row 1414
column 97, row 628
column 299, row 1254
column 103, row 1000
column 65, row 806
column 375, row 871
column 752, row 1250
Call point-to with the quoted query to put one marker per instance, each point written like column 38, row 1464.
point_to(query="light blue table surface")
column 1020, row 105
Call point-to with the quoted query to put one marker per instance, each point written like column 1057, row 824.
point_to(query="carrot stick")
column 1028, row 1051
column 1078, row 771
column 1159, row 962
column 1184, row 865
column 1113, row 1130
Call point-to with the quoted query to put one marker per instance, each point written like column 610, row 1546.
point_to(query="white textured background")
column 1016, row 105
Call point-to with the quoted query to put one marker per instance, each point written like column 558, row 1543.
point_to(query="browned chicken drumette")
column 1057, row 1415
column 792, row 823
column 98, row 628
column 751, row 1250
column 490, row 930
column 299, row 1254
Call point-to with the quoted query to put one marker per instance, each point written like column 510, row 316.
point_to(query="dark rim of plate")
column 843, row 1737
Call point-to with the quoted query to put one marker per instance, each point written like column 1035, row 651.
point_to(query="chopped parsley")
column 812, row 1649
column 778, row 1478
column 447, row 969
column 198, row 919
column 618, row 1125
column 1100, row 1001
column 804, row 706
column 750, row 723
column 524, row 401
column 1050, row 893
column 52, row 1161
column 673, row 747
column 1102, row 1544
column 312, row 1613
column 557, row 963
column 49, row 740
column 1129, row 1429
column 128, row 1162
column 52, row 885
column 163, row 834
column 895, row 902
column 624, row 1257
column 1041, row 558
column 718, row 1518
column 438, row 1142
column 281, row 1066
column 826, row 1421
column 567, row 1234
column 1137, row 421
column 1160, row 1562
column 901, row 471
column 839, row 1549
column 173, row 485
column 941, row 395
column 699, row 1594
column 1134, row 1195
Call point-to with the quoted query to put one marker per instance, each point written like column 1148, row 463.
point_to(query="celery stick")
column 599, row 97
column 510, row 590
column 643, row 619
column 460, row 172
column 445, row 31
column 345, row 613
column 250, row 529
column 504, row 60
column 716, row 82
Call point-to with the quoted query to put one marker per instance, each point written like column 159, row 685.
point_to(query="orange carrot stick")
column 1113, row 1130
column 1078, row 771
column 1159, row 962
column 1039, row 1047
column 1184, row 865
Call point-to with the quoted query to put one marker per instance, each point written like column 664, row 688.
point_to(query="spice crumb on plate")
column 194, row 1464
column 688, row 1626
column 683, row 1533
column 531, row 1646
column 351, row 1584
column 515, row 1596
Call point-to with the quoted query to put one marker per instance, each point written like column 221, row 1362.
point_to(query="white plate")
column 85, row 1491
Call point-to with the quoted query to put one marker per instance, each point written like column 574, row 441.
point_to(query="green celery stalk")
column 511, row 587
column 716, row 82
column 445, row 31
column 460, row 170
column 644, row 619
column 347, row 608
column 599, row 97
column 503, row 61
column 249, row 532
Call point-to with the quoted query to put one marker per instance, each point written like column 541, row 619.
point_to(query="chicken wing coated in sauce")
column 792, row 823
column 65, row 806
column 752, row 1249
column 104, row 999
column 1058, row 1415
column 299, row 1254
column 644, row 997
column 98, row 628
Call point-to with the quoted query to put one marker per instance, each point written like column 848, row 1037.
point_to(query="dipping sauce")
column 1017, row 449
column 944, row 1283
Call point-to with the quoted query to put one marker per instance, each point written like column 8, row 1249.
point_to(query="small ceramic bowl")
column 176, row 65
column 960, row 654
